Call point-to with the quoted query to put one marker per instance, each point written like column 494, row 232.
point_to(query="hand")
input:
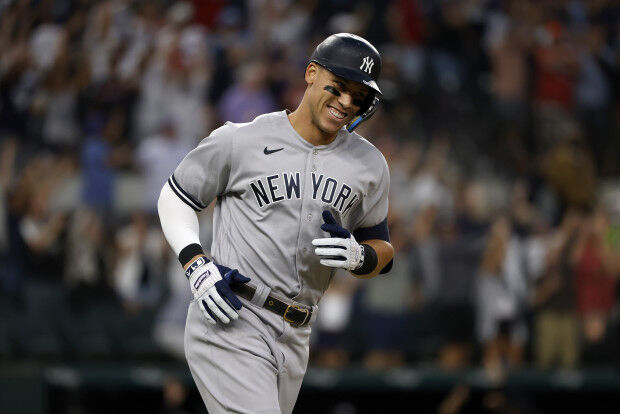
column 341, row 250
column 210, row 284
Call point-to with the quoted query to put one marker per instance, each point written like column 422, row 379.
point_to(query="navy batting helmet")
column 354, row 58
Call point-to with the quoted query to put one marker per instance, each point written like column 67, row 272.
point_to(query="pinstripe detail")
column 183, row 195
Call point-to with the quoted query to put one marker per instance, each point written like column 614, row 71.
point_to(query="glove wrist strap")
column 361, row 257
column 198, row 262
column 189, row 253
column 370, row 261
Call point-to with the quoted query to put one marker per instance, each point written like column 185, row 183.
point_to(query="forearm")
column 178, row 221
column 384, row 252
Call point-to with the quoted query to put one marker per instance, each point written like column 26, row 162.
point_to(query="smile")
column 336, row 113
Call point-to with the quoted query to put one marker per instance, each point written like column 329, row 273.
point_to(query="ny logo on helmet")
column 367, row 64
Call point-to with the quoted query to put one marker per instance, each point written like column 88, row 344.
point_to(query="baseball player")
column 299, row 195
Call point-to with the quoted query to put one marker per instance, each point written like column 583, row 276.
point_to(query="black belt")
column 294, row 314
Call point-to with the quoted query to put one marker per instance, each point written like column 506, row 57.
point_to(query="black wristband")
column 370, row 261
column 188, row 252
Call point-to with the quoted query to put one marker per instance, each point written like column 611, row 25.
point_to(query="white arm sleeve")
column 178, row 221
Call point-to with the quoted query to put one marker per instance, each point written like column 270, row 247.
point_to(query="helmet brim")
column 353, row 75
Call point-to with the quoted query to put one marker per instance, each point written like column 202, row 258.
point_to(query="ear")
column 312, row 73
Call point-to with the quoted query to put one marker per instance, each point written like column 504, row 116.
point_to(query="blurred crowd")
column 498, row 121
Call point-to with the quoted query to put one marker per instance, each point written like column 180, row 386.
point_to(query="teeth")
column 336, row 113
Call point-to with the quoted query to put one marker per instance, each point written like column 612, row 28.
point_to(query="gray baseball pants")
column 253, row 365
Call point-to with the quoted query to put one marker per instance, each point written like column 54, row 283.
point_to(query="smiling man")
column 299, row 195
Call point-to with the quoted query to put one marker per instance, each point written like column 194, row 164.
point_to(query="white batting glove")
column 212, row 290
column 338, row 252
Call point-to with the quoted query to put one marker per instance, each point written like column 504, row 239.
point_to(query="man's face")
column 334, row 100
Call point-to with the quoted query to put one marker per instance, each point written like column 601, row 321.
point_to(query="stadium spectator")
column 57, row 100
column 41, row 227
column 84, row 262
column 157, row 156
column 556, row 327
column 448, row 263
column 594, row 92
column 556, row 67
column 387, row 305
column 103, row 153
column 141, row 253
column 596, row 273
column 569, row 170
column 501, row 295
column 249, row 96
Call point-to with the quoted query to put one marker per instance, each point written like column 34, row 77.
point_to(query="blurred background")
column 499, row 124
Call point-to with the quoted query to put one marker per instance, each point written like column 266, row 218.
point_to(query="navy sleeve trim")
column 380, row 232
column 183, row 195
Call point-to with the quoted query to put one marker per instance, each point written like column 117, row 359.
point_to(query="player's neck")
column 301, row 120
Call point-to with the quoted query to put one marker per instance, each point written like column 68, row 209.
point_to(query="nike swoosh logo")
column 268, row 151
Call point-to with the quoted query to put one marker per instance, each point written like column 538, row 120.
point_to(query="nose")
column 345, row 99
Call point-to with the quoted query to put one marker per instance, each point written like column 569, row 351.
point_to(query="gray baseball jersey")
column 272, row 186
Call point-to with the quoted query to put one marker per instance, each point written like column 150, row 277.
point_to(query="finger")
column 335, row 230
column 223, row 270
column 232, row 299
column 224, row 306
column 328, row 217
column 331, row 252
column 207, row 313
column 229, row 275
column 233, row 276
column 216, row 310
column 329, row 227
column 334, row 263
column 239, row 278
column 331, row 241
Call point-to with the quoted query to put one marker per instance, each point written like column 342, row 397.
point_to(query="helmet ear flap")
column 368, row 102
column 369, row 108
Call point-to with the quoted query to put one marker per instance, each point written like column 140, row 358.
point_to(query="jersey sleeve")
column 372, row 222
column 204, row 172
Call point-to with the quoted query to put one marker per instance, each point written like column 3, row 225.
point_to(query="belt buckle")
column 299, row 308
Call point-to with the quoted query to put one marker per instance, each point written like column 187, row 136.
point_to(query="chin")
column 327, row 126
column 331, row 128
